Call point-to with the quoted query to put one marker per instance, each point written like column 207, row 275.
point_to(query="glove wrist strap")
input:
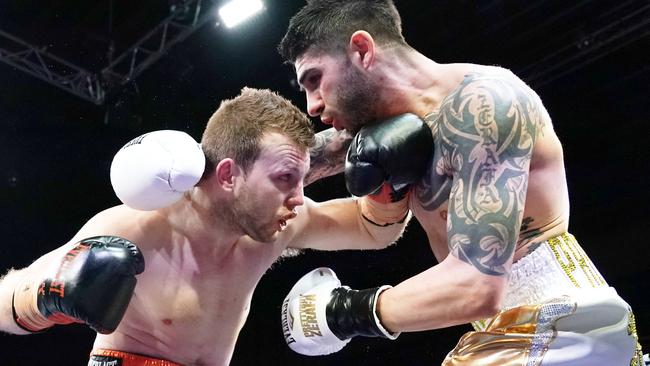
column 24, row 304
column 384, row 331
column 354, row 312
column 384, row 213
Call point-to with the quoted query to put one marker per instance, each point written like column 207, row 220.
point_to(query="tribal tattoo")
column 527, row 233
column 485, row 132
column 328, row 154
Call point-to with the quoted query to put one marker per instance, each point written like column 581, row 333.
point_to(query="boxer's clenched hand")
column 384, row 159
column 93, row 284
column 319, row 316
column 397, row 150
column 154, row 170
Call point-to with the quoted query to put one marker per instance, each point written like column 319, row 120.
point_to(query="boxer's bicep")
column 491, row 127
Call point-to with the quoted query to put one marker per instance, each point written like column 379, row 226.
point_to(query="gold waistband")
column 557, row 267
column 574, row 261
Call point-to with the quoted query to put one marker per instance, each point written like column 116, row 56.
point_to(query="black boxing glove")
column 397, row 151
column 383, row 160
column 92, row 284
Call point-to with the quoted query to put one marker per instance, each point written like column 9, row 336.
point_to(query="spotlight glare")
column 236, row 11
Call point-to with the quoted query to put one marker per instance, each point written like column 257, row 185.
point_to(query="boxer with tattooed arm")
column 493, row 202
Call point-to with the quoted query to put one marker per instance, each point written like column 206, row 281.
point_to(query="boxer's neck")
column 204, row 220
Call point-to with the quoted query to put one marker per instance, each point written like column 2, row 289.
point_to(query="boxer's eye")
column 312, row 81
column 286, row 178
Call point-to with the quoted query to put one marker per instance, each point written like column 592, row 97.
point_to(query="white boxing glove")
column 319, row 316
column 154, row 170
column 303, row 314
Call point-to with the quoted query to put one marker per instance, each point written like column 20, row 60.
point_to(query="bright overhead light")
column 236, row 11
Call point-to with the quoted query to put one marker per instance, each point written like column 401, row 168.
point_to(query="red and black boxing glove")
column 92, row 284
column 382, row 162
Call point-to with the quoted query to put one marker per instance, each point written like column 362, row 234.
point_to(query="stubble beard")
column 357, row 97
column 245, row 216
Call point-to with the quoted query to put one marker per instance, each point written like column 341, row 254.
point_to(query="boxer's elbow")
column 486, row 296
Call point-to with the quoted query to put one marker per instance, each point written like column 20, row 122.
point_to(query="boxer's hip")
column 558, row 310
column 557, row 267
column 591, row 326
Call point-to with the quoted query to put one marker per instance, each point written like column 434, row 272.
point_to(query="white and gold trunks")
column 558, row 310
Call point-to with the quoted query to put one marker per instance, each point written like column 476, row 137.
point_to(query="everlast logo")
column 287, row 322
column 56, row 286
column 104, row 361
column 308, row 320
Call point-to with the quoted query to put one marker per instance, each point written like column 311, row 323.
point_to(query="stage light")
column 236, row 11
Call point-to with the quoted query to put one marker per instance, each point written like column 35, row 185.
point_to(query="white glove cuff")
column 387, row 334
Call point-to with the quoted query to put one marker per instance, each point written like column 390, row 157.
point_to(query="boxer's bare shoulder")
column 140, row 227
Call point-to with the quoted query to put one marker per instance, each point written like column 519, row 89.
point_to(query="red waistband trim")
column 132, row 359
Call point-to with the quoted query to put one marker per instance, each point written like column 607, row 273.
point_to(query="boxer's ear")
column 362, row 48
column 225, row 172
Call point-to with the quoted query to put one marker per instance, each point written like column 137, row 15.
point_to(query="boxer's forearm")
column 7, row 285
column 448, row 294
column 328, row 154
column 338, row 224
column 384, row 235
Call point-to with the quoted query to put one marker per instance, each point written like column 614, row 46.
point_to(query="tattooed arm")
column 492, row 138
column 486, row 132
column 328, row 154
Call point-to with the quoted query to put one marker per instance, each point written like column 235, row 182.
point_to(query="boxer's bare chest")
column 195, row 303
column 429, row 201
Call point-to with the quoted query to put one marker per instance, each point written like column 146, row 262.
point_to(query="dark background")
column 589, row 61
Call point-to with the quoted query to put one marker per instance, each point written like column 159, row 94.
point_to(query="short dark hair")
column 237, row 127
column 326, row 25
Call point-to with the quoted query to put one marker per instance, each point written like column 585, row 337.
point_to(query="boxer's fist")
column 154, row 170
column 397, row 151
column 92, row 284
column 319, row 316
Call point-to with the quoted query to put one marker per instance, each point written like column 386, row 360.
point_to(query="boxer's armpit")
column 328, row 154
